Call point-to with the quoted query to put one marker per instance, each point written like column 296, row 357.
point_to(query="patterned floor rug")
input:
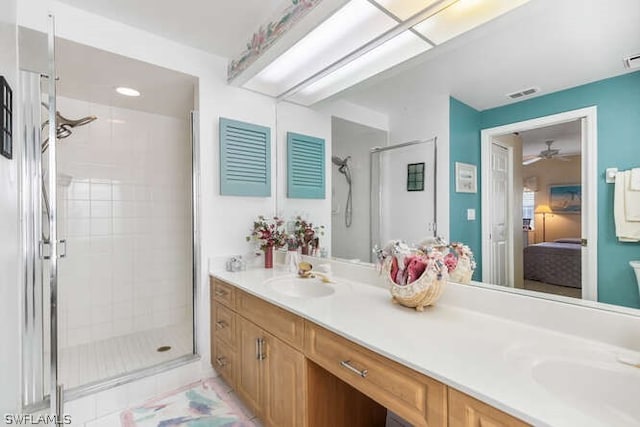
column 201, row 404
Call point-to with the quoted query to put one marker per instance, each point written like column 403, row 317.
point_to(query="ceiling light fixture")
column 127, row 91
column 367, row 37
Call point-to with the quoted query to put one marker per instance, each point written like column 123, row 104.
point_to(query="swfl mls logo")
column 33, row 419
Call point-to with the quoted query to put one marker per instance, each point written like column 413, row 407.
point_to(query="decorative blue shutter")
column 305, row 167
column 245, row 159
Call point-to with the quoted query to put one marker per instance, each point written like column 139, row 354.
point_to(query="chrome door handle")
column 221, row 361
column 347, row 364
column 221, row 293
column 221, row 324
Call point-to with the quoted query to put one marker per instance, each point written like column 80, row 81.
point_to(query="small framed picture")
column 466, row 178
column 565, row 198
column 6, row 119
column 415, row 177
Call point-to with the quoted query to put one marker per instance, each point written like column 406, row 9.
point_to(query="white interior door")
column 499, row 198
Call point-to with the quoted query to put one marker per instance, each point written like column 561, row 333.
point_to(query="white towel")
column 631, row 199
column 626, row 231
column 634, row 185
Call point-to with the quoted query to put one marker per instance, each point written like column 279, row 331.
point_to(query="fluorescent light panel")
column 462, row 16
column 354, row 25
column 405, row 9
column 399, row 49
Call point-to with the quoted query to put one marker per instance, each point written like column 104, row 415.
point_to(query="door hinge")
column 45, row 249
column 583, row 242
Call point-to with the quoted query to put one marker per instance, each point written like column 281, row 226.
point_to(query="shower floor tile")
column 115, row 356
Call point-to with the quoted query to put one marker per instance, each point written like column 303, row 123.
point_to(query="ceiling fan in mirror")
column 549, row 153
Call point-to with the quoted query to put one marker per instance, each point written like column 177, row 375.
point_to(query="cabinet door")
column 249, row 371
column 465, row 411
column 284, row 385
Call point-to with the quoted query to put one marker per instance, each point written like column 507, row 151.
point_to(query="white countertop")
column 485, row 356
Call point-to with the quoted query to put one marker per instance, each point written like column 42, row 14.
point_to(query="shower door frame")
column 376, row 214
column 34, row 396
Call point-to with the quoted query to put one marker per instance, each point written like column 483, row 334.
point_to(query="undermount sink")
column 606, row 390
column 293, row 286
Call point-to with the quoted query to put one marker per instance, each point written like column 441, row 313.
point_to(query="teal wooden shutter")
column 245, row 159
column 305, row 167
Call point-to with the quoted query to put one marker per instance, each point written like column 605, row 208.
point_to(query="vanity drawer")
column 223, row 293
column 281, row 323
column 420, row 400
column 465, row 411
column 223, row 360
column 224, row 324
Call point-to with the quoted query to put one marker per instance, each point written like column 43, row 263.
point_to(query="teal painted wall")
column 464, row 146
column 618, row 103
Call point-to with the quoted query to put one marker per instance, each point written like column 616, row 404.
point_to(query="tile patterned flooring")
column 99, row 360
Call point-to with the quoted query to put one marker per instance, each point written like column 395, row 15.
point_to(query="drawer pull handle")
column 221, row 324
column 221, row 293
column 260, row 349
column 347, row 364
column 221, row 361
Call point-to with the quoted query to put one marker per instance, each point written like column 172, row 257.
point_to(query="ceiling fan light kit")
column 548, row 154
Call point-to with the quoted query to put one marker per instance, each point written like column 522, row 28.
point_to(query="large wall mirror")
column 535, row 66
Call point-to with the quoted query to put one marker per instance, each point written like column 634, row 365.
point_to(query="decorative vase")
column 268, row 256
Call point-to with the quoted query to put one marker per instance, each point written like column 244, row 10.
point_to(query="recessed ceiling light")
column 127, row 91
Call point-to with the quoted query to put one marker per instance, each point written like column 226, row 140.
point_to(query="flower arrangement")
column 268, row 232
column 306, row 233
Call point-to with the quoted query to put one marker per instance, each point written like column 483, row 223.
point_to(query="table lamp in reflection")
column 544, row 210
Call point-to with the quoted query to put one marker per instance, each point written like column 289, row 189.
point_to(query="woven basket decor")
column 422, row 292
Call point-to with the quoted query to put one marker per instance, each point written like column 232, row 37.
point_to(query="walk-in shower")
column 400, row 209
column 110, row 228
column 343, row 168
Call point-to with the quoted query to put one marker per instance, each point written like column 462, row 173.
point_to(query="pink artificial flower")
column 451, row 261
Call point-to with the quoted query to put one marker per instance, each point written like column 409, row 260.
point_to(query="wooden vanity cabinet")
column 294, row 373
column 223, row 330
column 253, row 350
column 417, row 398
column 271, row 378
column 465, row 411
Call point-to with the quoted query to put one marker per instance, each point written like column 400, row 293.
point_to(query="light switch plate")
column 471, row 214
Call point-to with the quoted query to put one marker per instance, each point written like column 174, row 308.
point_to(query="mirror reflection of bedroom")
column 551, row 209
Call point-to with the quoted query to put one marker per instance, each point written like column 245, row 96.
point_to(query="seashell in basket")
column 420, row 293
column 464, row 265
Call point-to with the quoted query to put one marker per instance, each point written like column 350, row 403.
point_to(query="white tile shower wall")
column 124, row 207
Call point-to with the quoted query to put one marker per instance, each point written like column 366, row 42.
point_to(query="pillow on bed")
column 575, row 240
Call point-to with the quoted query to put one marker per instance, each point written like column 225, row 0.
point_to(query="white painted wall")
column 294, row 118
column 423, row 118
column 355, row 140
column 9, row 227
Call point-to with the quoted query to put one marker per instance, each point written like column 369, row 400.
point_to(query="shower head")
column 63, row 121
column 340, row 162
column 64, row 126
